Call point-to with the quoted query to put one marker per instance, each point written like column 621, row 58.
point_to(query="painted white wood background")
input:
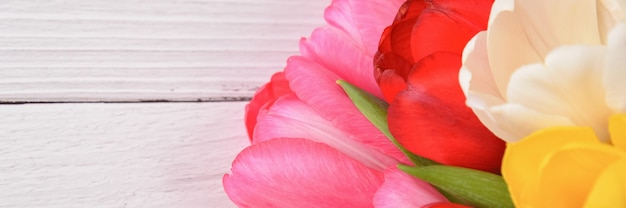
column 73, row 73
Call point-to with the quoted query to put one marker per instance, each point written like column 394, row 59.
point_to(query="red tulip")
column 417, row 68
column 264, row 98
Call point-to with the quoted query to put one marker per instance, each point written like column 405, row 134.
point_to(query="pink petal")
column 299, row 173
column 364, row 22
column 289, row 117
column 372, row 18
column 317, row 87
column 337, row 53
column 339, row 15
column 402, row 190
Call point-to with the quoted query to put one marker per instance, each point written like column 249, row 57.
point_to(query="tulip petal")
column 475, row 74
column 615, row 70
column 445, row 205
column 532, row 29
column 446, row 26
column 335, row 52
column 402, row 190
column 363, row 22
column 549, row 23
column 291, row 118
column 482, row 104
column 391, row 84
column 393, row 60
column 570, row 85
column 512, row 122
column 479, row 87
column 375, row 110
column 339, row 15
column 610, row 187
column 430, row 118
column 522, row 160
column 506, row 36
column 299, row 173
column 423, row 28
column 610, row 13
column 617, row 128
column 317, row 87
column 568, row 175
column 263, row 98
column 371, row 18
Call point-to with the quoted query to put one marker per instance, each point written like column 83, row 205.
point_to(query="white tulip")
column 544, row 63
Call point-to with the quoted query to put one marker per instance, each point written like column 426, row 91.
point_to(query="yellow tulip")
column 568, row 167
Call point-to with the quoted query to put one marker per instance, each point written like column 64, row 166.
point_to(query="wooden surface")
column 121, row 50
column 118, row 155
column 61, row 147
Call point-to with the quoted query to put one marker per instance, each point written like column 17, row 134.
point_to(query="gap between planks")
column 209, row 100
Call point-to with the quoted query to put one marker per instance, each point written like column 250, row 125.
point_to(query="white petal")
column 615, row 69
column 500, row 6
column 610, row 13
column 549, row 24
column 511, row 121
column 533, row 28
column 519, row 121
column 615, row 8
column 508, row 48
column 481, row 105
column 569, row 85
column 475, row 75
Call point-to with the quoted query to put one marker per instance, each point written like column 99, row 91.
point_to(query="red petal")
column 394, row 50
column 391, row 84
column 423, row 27
column 430, row 118
column 299, row 173
column 264, row 97
column 445, row 205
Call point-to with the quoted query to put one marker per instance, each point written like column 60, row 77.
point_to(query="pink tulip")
column 311, row 147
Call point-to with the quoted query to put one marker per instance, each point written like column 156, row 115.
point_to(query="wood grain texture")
column 133, row 50
column 118, row 155
column 72, row 154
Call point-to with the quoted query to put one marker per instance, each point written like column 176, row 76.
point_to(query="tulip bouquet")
column 444, row 103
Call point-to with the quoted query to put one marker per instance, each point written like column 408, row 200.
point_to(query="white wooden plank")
column 131, row 50
column 118, row 155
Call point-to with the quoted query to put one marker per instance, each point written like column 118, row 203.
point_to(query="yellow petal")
column 521, row 162
column 617, row 128
column 567, row 175
column 610, row 188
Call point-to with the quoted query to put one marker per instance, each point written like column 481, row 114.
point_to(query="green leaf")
column 375, row 110
column 477, row 188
